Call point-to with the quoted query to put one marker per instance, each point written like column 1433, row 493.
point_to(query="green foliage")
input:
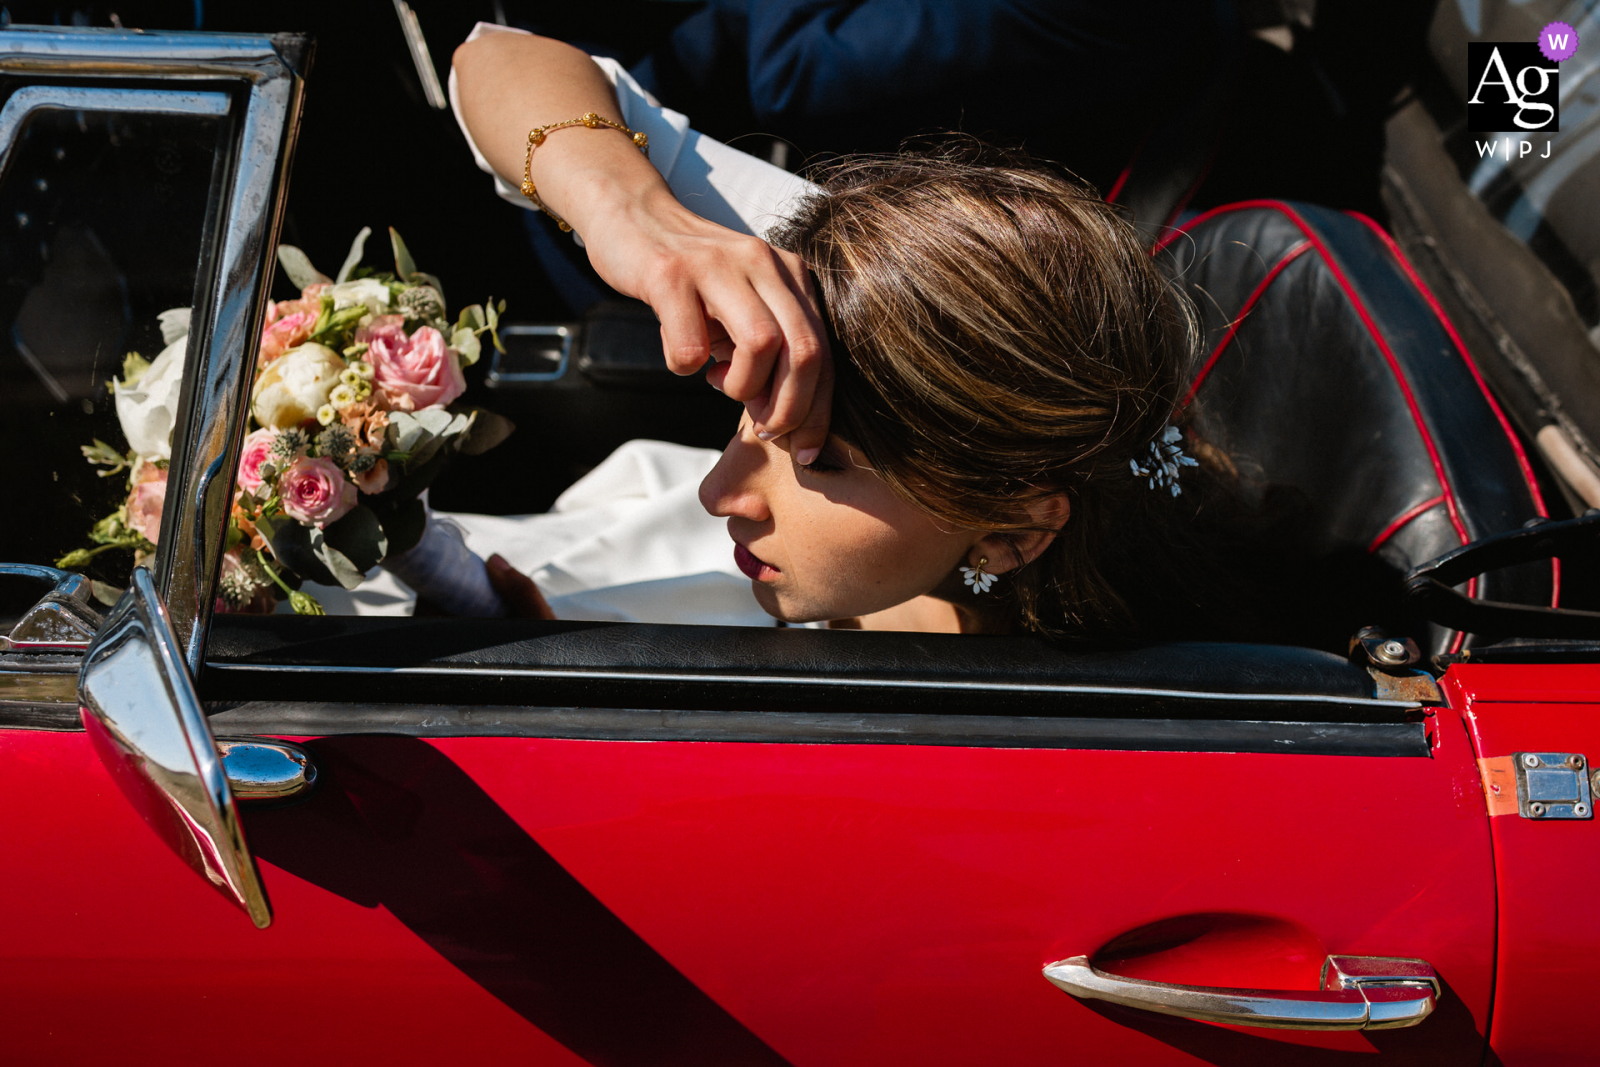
column 352, row 546
column 297, row 265
column 305, row 603
column 134, row 367
column 352, row 259
column 101, row 454
column 404, row 265
column 333, row 327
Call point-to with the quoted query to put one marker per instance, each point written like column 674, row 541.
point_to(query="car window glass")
column 103, row 214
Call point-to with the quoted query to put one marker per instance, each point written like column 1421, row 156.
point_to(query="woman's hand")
column 720, row 295
column 519, row 592
column 727, row 297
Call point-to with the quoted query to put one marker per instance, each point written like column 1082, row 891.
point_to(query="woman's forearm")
column 508, row 83
column 719, row 294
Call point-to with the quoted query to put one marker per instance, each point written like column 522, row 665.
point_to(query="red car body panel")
column 1548, row 933
column 564, row 901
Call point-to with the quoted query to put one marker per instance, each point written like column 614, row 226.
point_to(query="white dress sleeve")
column 716, row 182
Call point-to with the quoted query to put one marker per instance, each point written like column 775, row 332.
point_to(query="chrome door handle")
column 1358, row 993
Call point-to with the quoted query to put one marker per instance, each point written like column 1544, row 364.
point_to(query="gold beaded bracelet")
column 536, row 138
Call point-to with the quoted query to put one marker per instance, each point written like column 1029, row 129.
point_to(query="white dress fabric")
column 628, row 542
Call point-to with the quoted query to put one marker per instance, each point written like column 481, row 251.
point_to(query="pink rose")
column 414, row 372
column 315, row 492
column 288, row 332
column 252, row 456
column 146, row 500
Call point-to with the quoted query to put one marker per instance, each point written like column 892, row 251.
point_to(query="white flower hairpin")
column 977, row 577
column 1163, row 461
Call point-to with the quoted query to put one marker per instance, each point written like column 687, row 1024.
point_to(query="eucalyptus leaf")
column 472, row 318
column 405, row 431
column 425, row 451
column 488, row 430
column 344, row 571
column 358, row 537
column 358, row 248
column 403, row 524
column 465, row 342
column 297, row 265
column 404, row 265
column 291, row 545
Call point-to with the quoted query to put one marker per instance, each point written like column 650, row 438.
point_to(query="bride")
column 978, row 453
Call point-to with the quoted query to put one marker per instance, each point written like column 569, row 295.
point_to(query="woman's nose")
column 733, row 486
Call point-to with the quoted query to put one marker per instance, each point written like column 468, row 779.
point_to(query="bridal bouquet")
column 352, row 415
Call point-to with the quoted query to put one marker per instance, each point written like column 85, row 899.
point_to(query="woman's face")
column 827, row 541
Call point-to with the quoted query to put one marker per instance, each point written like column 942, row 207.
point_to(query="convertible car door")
column 872, row 845
column 588, row 883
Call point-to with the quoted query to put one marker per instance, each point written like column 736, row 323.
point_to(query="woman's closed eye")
column 833, row 459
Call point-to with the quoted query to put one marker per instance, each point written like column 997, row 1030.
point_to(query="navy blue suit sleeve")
column 852, row 75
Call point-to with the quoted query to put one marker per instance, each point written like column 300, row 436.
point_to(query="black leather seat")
column 1329, row 368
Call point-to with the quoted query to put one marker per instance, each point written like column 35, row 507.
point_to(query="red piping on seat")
column 1372, row 331
column 1378, row 339
column 1179, row 231
column 1122, row 179
column 1466, row 357
column 1405, row 517
column 1249, row 304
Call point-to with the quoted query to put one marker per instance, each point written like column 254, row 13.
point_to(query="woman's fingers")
column 684, row 339
column 757, row 341
column 519, row 592
column 797, row 400
column 807, row 439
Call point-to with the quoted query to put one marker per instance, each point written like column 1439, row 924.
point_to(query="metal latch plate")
column 1553, row 785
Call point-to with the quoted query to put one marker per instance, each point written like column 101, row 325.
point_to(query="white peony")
column 147, row 408
column 369, row 291
column 295, row 385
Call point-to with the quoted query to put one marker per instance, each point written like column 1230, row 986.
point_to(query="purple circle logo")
column 1558, row 41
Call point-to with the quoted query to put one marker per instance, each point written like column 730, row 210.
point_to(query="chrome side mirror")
column 144, row 718
column 64, row 620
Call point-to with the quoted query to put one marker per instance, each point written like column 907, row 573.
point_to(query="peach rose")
column 413, row 372
column 252, row 456
column 145, row 502
column 315, row 492
column 286, row 333
column 375, row 479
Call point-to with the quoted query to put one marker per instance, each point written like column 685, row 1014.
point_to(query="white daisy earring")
column 977, row 577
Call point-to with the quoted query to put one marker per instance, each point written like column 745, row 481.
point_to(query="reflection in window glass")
column 103, row 214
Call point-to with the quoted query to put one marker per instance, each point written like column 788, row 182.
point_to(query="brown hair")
column 1006, row 336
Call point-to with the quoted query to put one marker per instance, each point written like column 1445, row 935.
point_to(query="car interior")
column 1330, row 367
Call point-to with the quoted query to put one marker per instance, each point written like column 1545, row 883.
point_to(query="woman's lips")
column 754, row 567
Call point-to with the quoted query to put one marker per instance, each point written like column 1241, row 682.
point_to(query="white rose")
column 148, row 408
column 369, row 291
column 295, row 385
column 174, row 324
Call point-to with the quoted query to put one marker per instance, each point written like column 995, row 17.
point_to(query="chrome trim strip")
column 244, row 213
column 30, row 98
column 809, row 680
column 324, row 718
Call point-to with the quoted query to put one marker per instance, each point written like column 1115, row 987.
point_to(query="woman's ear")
column 1016, row 548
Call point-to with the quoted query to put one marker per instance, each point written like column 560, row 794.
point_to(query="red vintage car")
column 409, row 840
